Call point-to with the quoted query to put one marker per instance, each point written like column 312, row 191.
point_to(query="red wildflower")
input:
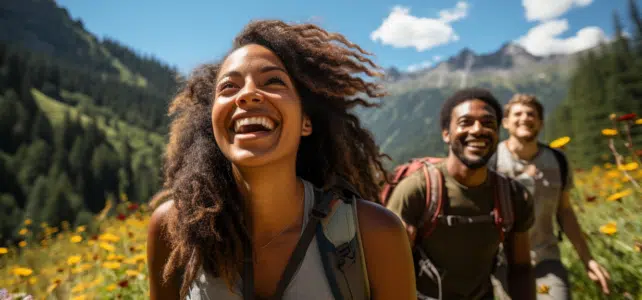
column 122, row 217
column 591, row 198
column 626, row 117
column 124, row 283
column 132, row 207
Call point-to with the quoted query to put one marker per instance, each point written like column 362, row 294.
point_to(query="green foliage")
column 80, row 120
column 607, row 80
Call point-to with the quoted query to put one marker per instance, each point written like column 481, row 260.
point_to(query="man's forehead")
column 473, row 107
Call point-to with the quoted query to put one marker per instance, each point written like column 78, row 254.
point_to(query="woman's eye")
column 226, row 85
column 274, row 80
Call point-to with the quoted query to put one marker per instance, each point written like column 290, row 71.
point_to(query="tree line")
column 608, row 80
column 66, row 171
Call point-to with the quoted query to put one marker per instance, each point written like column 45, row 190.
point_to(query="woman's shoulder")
column 157, row 231
column 373, row 217
column 161, row 214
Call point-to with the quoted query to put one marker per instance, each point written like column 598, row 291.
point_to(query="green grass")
column 55, row 111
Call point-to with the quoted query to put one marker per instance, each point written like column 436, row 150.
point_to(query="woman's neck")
column 274, row 199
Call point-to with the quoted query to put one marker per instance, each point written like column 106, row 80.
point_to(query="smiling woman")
column 266, row 167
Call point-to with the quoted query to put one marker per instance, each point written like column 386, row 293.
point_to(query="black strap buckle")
column 452, row 220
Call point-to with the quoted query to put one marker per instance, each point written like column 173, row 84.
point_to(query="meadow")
column 107, row 260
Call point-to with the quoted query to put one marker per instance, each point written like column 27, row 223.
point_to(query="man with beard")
column 456, row 260
column 549, row 178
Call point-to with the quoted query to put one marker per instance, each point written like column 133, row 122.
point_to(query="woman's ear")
column 306, row 126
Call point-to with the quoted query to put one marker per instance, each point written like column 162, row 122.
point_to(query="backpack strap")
column 340, row 245
column 562, row 163
column 434, row 200
column 323, row 203
column 503, row 211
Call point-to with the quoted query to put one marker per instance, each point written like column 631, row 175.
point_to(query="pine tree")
column 10, row 217
column 637, row 21
column 36, row 162
column 42, row 128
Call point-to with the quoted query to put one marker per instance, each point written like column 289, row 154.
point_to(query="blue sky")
column 401, row 33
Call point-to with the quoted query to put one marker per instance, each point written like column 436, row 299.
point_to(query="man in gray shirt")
column 538, row 168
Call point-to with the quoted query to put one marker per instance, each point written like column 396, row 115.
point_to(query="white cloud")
column 543, row 39
column 544, row 10
column 436, row 58
column 403, row 30
column 459, row 12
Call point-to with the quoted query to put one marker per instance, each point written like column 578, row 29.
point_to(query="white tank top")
column 309, row 281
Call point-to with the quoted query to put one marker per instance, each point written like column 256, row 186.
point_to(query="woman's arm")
column 387, row 253
column 158, row 250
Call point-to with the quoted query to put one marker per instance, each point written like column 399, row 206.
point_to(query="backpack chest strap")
column 454, row 220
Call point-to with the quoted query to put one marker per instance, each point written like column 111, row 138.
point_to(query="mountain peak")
column 511, row 49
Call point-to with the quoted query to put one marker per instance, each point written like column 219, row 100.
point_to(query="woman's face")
column 256, row 116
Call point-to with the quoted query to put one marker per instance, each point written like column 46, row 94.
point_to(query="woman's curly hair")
column 206, row 226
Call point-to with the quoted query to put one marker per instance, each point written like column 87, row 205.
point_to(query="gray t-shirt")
column 546, row 188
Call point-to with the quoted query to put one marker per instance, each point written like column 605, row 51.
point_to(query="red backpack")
column 502, row 215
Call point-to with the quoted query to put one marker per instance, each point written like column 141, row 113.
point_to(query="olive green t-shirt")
column 463, row 254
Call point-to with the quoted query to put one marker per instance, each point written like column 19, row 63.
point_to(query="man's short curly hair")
column 464, row 95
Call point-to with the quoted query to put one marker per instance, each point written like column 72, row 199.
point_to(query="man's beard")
column 458, row 149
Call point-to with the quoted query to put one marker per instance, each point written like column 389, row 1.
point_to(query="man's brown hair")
column 525, row 99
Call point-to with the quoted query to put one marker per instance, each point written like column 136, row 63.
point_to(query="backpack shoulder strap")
column 434, row 199
column 562, row 162
column 340, row 245
column 504, row 209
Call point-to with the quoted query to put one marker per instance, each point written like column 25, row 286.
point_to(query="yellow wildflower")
column 27, row 221
column 560, row 142
column 111, row 287
column 609, row 228
column 613, row 174
column 76, row 239
column 638, row 122
column 22, row 244
column 108, row 247
column 33, row 280
column 4, row 250
column 22, row 271
column 52, row 287
column 609, row 132
column 543, row 289
column 23, row 231
column 132, row 273
column 628, row 167
column 72, row 260
column 111, row 265
column 620, row 195
column 80, row 229
column 78, row 288
column 80, row 297
column 108, row 237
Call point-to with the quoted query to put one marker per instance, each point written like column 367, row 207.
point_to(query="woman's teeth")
column 267, row 123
